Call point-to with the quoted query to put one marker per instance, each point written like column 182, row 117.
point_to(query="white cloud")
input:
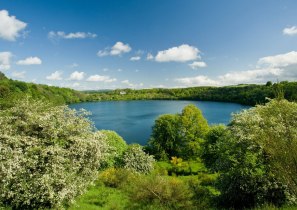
column 280, row 60
column 149, row 56
column 290, row 31
column 10, row 27
column 250, row 76
column 5, row 60
column 131, row 85
column 256, row 76
column 76, row 35
column 181, row 53
column 271, row 68
column 120, row 70
column 30, row 61
column 197, row 64
column 197, row 81
column 77, row 75
column 100, row 78
column 19, row 75
column 57, row 75
column 105, row 69
column 135, row 58
column 118, row 49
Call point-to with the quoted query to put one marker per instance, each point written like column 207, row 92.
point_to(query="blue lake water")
column 133, row 120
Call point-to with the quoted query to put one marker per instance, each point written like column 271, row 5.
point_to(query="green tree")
column 192, row 129
column 179, row 135
column 164, row 140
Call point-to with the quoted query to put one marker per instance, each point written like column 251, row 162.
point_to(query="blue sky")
column 107, row 44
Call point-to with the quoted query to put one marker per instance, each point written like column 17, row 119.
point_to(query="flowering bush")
column 135, row 159
column 48, row 155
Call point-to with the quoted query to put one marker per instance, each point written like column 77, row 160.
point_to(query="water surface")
column 133, row 120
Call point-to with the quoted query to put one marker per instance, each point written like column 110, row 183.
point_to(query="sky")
column 109, row 44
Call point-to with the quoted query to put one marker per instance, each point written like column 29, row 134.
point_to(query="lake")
column 133, row 120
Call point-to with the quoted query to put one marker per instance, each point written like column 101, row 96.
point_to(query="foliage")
column 162, row 191
column 165, row 140
column 116, row 147
column 135, row 159
column 48, row 155
column 247, row 166
column 115, row 177
column 274, row 127
column 179, row 135
column 204, row 191
column 211, row 154
column 243, row 94
column 10, row 89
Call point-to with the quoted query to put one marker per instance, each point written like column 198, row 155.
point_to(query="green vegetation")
column 248, row 164
column 48, row 155
column 248, row 94
column 243, row 94
column 16, row 89
column 51, row 157
column 178, row 135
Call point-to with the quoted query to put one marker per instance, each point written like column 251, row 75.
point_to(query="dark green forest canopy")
column 250, row 94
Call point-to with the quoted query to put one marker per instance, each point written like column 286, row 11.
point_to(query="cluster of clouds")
column 80, row 76
column 79, row 79
column 5, row 61
column 76, row 35
column 183, row 53
column 282, row 66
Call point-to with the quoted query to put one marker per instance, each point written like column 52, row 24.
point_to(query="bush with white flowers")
column 48, row 155
column 135, row 159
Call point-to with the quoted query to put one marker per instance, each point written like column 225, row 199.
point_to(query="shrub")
column 48, row 155
column 204, row 191
column 114, row 177
column 162, row 192
column 248, row 152
column 116, row 147
column 274, row 128
column 135, row 159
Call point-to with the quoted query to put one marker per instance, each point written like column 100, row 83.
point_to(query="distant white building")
column 123, row 93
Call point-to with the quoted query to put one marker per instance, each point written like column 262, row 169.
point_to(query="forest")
column 248, row 94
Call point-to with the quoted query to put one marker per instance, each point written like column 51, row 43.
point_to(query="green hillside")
column 12, row 88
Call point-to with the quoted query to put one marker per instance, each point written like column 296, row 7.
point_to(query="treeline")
column 243, row 94
column 13, row 89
